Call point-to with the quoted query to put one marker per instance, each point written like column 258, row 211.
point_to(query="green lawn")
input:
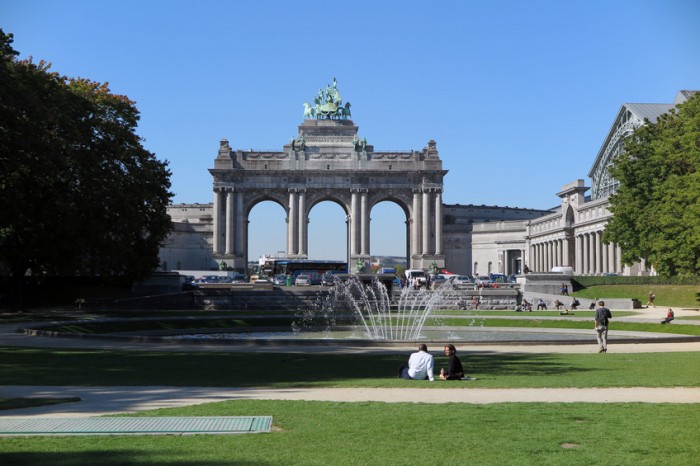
column 370, row 433
column 687, row 296
column 238, row 369
column 327, row 433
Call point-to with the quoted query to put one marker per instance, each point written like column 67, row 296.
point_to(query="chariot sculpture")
column 328, row 104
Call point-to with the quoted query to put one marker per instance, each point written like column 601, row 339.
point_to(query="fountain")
column 369, row 305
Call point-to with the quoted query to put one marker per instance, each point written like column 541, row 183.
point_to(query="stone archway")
column 328, row 162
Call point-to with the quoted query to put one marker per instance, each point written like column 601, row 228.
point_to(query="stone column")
column 241, row 246
column 438, row 223
column 604, row 259
column 291, row 224
column 426, row 223
column 566, row 252
column 611, row 257
column 230, row 218
column 415, row 224
column 217, row 243
column 353, row 222
column 364, row 224
column 598, row 252
column 594, row 253
column 618, row 259
column 585, row 254
column 578, row 268
column 303, row 224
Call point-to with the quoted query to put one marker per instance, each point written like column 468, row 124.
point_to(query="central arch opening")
column 388, row 234
column 267, row 231
column 328, row 235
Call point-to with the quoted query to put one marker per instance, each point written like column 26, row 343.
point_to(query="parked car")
column 239, row 278
column 483, row 281
column 327, row 280
column 302, row 280
column 280, row 280
column 460, row 280
column 437, row 279
column 188, row 283
column 498, row 278
column 209, row 279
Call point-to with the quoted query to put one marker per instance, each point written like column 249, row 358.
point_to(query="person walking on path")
column 420, row 365
column 602, row 317
column 650, row 300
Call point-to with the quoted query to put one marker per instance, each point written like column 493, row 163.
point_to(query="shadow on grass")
column 97, row 367
column 103, row 458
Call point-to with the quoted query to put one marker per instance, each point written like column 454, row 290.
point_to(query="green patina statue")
column 328, row 104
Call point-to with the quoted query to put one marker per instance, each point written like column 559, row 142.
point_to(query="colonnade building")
column 328, row 161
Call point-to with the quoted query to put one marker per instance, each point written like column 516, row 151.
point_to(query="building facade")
column 328, row 161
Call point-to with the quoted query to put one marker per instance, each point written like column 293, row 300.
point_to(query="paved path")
column 116, row 400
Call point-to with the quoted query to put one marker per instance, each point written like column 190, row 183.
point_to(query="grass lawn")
column 370, row 433
column 21, row 366
column 666, row 295
column 675, row 328
column 329, row 433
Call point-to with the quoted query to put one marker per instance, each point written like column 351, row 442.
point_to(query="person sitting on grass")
column 420, row 365
column 454, row 370
column 541, row 305
column 575, row 304
column 669, row 317
column 558, row 304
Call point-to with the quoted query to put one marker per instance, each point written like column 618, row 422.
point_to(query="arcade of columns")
column 590, row 256
column 425, row 222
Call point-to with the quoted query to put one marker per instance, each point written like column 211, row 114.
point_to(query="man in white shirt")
column 420, row 365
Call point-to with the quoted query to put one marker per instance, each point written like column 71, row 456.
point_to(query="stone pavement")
column 116, row 400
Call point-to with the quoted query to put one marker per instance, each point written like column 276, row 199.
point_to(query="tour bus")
column 313, row 268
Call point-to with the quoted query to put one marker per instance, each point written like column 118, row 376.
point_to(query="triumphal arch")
column 328, row 161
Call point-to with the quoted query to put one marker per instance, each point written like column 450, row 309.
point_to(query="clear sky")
column 519, row 95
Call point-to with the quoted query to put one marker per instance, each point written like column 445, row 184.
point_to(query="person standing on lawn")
column 602, row 317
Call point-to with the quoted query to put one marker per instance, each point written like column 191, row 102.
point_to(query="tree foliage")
column 656, row 211
column 78, row 191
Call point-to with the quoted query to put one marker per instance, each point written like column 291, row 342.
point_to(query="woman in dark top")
column 454, row 369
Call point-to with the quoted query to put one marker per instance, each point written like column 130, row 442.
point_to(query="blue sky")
column 519, row 95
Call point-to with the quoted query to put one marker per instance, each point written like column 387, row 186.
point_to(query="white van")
column 420, row 277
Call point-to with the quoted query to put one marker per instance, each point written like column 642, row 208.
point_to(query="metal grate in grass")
column 135, row 425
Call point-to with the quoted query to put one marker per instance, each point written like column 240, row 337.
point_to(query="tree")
column 656, row 211
column 78, row 191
